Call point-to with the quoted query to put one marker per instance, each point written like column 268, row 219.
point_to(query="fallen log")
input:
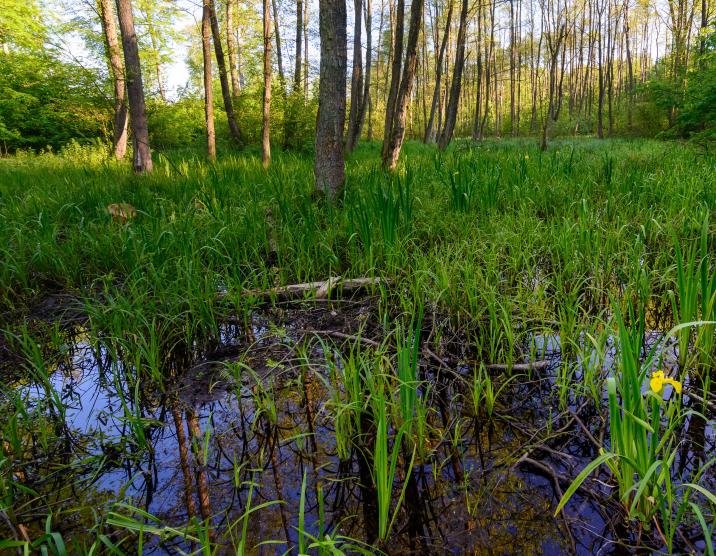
column 532, row 365
column 321, row 289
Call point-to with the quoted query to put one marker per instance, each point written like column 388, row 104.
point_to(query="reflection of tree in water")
column 209, row 434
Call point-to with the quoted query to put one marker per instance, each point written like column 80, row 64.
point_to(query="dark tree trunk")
column 223, row 78
column 135, row 88
column 451, row 112
column 356, row 78
column 208, row 93
column 299, row 30
column 329, row 165
column 116, row 67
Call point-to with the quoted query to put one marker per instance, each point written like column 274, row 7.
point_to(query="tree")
column 155, row 27
column 299, row 29
column 356, row 79
column 555, row 29
column 135, row 88
column 21, row 25
column 329, row 164
column 451, row 112
column 223, row 78
column 279, row 51
column 266, row 125
column 116, row 67
column 293, row 104
column 208, row 93
column 231, row 48
column 395, row 124
column 429, row 133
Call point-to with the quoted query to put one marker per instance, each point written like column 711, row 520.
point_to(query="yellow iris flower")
column 658, row 380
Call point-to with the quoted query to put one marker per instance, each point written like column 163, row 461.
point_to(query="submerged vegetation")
column 528, row 368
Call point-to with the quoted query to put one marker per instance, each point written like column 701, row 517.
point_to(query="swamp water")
column 252, row 425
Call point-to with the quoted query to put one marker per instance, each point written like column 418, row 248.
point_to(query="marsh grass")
column 485, row 246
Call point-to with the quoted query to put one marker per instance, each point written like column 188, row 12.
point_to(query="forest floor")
column 161, row 393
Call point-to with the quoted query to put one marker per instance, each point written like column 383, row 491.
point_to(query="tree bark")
column 429, row 128
column 478, row 70
column 279, row 52
column 231, row 48
column 356, row 78
column 208, row 93
column 223, row 78
column 292, row 101
column 368, row 64
column 451, row 112
column 135, row 88
column 116, row 66
column 299, row 30
column 305, row 52
column 329, row 165
column 266, row 124
column 397, row 32
column 397, row 128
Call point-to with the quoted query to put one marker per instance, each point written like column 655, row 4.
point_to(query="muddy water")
column 486, row 489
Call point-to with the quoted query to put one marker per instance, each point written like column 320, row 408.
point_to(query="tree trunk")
column 292, row 101
column 478, row 70
column 223, row 78
column 600, row 102
column 397, row 32
column 630, row 68
column 135, row 88
column 397, row 127
column 513, row 67
column 266, row 124
column 329, row 165
column 279, row 52
column 429, row 133
column 368, row 64
column 299, row 30
column 208, row 93
column 356, row 78
column 231, row 48
column 305, row 52
column 116, row 66
column 451, row 113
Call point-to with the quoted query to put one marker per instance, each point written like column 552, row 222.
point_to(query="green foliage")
column 687, row 109
column 21, row 25
column 47, row 103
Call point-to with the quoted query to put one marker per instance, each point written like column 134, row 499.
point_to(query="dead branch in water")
column 321, row 289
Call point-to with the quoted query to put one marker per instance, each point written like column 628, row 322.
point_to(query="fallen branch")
column 692, row 394
column 532, row 365
column 321, row 289
column 342, row 336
